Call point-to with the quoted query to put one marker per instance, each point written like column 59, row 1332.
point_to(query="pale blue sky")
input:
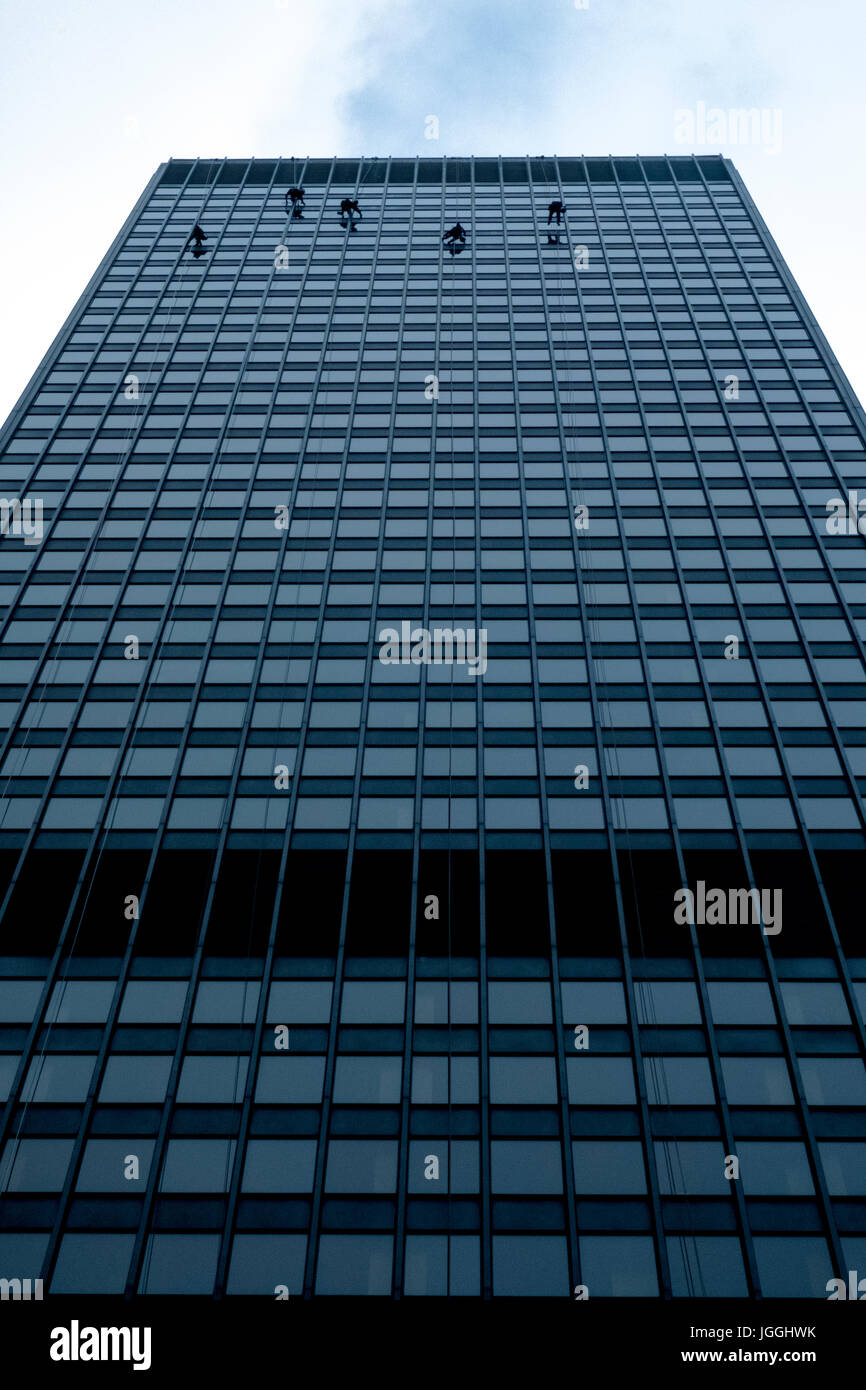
column 94, row 95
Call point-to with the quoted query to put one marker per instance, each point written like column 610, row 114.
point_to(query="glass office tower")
column 434, row 745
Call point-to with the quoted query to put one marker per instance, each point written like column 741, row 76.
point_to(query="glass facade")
column 434, row 746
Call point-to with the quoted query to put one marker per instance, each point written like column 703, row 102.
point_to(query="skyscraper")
column 434, row 744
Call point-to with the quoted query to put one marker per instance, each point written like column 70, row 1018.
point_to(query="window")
column 618, row 1266
column 757, row 1081
column 519, row 1002
column 679, row 1081
column 667, row 1001
column 437, row 1166
column 844, row 1168
column 354, row 1264
column 691, row 1167
column 373, row 1001
column 608, row 1166
column 523, row 1081
column 430, row 1077
column 600, row 1081
column 593, row 1001
column 367, row 1080
column 431, row 1001
column 35, row 1165
column 774, row 1169
column 793, row 1266
column 300, row 1001
column 290, row 1081
column 834, row 1080
column 261, row 1263
column 740, row 1002
column 92, row 1263
column 180, row 1264
column 530, row 1266
column 361, row 1165
column 106, row 1167
column 813, row 1003
column 226, row 1001
column 197, row 1165
column 153, row 1001
column 212, row 1080
column 18, row 1000
column 706, row 1267
column 525, row 1166
column 436, row 1265
column 279, row 1165
column 54, row 1078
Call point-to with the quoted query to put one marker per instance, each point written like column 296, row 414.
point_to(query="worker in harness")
column 348, row 209
column 198, row 236
column 297, row 198
column 455, row 238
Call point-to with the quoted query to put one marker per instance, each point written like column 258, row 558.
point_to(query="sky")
column 93, row 96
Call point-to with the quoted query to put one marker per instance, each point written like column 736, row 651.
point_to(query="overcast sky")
column 95, row 95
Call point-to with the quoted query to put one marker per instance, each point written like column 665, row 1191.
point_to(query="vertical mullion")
column 409, row 1014
column 97, row 836
column 59, row 345
column 67, row 609
column 336, row 1000
column 285, row 856
column 484, row 1163
column 622, row 837
column 780, row 747
column 558, row 1028
column 769, row 960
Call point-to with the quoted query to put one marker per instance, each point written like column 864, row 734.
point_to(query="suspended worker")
column 348, row 208
column 555, row 209
column 298, row 204
column 455, row 236
column 198, row 236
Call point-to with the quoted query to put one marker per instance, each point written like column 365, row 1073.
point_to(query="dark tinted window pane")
column 261, row 1264
column 618, row 1266
column 92, row 1263
column 361, row 1165
column 530, row 1266
column 354, row 1264
column 180, row 1264
column 706, row 1267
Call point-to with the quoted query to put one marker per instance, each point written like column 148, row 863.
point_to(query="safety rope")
column 644, row 992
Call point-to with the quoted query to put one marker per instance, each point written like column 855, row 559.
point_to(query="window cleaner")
column 198, row 236
column 297, row 198
column 348, row 209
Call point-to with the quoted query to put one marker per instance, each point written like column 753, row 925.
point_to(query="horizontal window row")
column 362, row 1264
column 57, row 1078
column 377, row 1002
column 775, row 1168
